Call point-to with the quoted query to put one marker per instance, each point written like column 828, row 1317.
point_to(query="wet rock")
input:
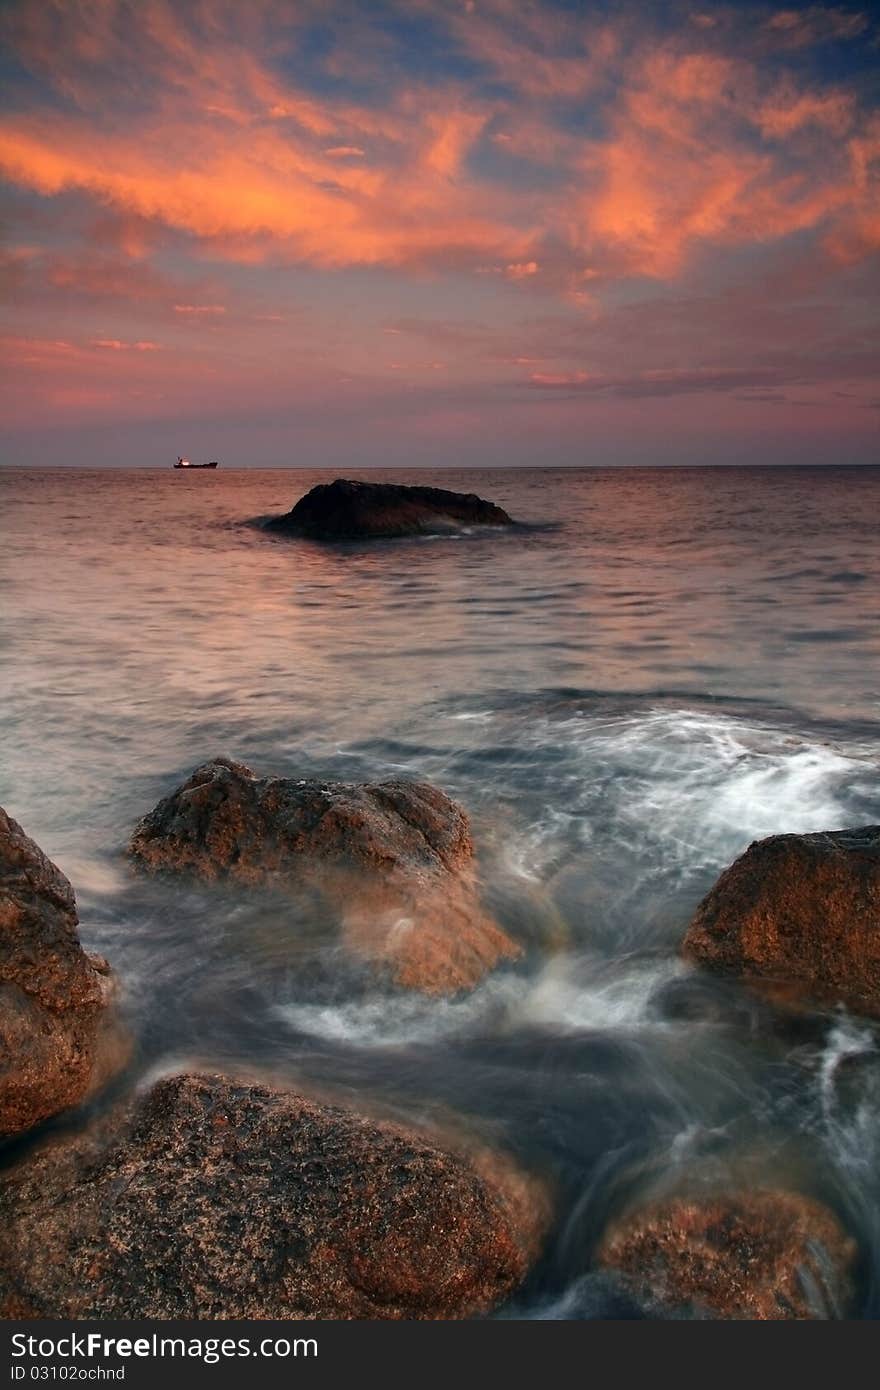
column 345, row 510
column 801, row 912
column 763, row 1254
column 56, row 1037
column 394, row 860
column 225, row 1200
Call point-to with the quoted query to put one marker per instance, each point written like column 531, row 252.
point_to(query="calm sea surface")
column 673, row 663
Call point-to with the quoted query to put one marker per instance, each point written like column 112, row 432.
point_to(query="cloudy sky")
column 439, row 232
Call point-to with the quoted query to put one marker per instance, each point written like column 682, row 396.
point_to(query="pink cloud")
column 117, row 345
column 681, row 381
column 521, row 270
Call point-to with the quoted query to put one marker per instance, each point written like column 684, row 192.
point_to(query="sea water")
column 668, row 664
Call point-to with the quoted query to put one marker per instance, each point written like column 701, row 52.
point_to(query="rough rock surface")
column 763, row 1254
column 345, row 510
column 223, row 1200
column 53, row 996
column 800, row 911
column 394, row 859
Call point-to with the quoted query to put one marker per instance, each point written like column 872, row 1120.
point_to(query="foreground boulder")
column 345, row 510
column 763, row 1254
column 394, row 860
column 801, row 911
column 223, row 1200
column 55, row 1036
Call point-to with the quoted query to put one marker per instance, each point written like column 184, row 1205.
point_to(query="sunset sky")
column 439, row 232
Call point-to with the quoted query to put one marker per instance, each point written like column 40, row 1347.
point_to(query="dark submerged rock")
column 56, row 1037
column 394, row 860
column 763, row 1254
column 225, row 1200
column 801, row 912
column 345, row 510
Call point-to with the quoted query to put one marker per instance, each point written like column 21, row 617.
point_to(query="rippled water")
column 673, row 663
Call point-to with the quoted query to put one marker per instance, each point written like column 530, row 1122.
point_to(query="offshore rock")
column 801, row 912
column 345, row 510
column 225, row 1200
column 394, row 860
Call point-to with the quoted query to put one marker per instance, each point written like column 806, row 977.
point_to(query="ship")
column 185, row 463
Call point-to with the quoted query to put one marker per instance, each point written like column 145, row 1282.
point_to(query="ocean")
column 667, row 665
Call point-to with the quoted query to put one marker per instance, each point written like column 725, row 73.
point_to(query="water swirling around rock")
column 620, row 704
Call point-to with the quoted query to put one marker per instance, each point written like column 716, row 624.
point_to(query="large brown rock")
column 799, row 911
column 394, row 860
column 762, row 1254
column 345, row 510
column 56, row 1038
column 225, row 1200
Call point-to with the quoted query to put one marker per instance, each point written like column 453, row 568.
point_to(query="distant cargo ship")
column 185, row 463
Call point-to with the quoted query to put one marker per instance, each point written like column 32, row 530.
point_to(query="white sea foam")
column 685, row 788
column 528, row 855
column 92, row 877
column 610, row 997
column 852, row 1130
column 569, row 995
column 399, row 1020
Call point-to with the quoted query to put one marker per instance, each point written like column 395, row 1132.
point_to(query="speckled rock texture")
column 56, row 1037
column 394, row 861
column 758, row 1255
column 224, row 1200
column 345, row 510
column 801, row 911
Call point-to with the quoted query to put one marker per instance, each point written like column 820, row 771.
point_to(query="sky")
column 442, row 233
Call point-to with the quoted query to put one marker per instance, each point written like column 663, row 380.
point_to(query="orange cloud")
column 780, row 118
column 687, row 145
column 217, row 184
column 815, row 23
column 451, row 134
column 536, row 51
column 682, row 166
column 223, row 149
